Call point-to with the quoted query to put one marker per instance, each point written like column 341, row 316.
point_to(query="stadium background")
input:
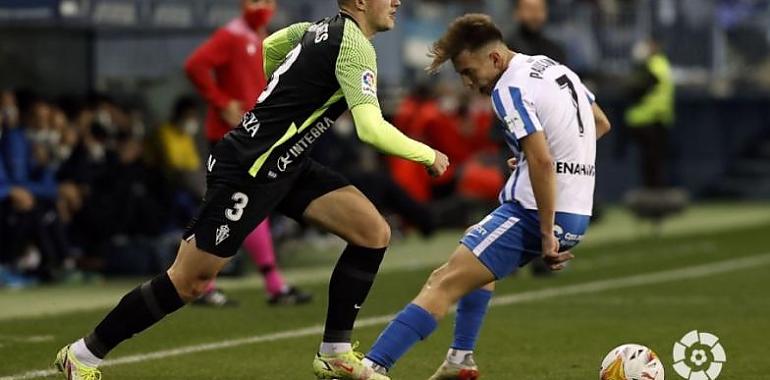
column 119, row 63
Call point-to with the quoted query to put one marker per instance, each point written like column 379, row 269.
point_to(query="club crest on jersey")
column 369, row 83
column 223, row 232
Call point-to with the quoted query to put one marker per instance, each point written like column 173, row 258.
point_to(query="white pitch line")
column 698, row 271
column 26, row 339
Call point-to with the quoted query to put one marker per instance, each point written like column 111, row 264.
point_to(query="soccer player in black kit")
column 317, row 71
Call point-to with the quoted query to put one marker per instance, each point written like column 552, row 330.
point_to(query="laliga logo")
column 558, row 231
column 699, row 356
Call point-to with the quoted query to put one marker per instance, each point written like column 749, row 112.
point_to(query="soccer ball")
column 631, row 362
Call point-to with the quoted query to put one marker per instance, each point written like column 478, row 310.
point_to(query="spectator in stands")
column 38, row 235
column 81, row 179
column 179, row 155
column 133, row 191
column 652, row 112
column 116, row 202
column 14, row 199
column 462, row 129
column 176, row 151
column 531, row 17
column 459, row 124
column 412, row 117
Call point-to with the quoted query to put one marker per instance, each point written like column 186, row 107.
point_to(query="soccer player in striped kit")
column 551, row 122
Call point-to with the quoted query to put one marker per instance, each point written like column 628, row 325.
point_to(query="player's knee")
column 447, row 287
column 434, row 299
column 193, row 290
column 190, row 286
column 382, row 235
column 373, row 235
column 435, row 276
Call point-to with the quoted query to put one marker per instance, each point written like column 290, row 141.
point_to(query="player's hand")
column 21, row 199
column 232, row 113
column 513, row 162
column 554, row 260
column 440, row 165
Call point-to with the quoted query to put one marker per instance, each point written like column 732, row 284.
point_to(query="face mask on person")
column 104, row 118
column 259, row 17
column 191, row 127
column 64, row 152
column 448, row 104
column 97, row 151
column 44, row 136
column 10, row 114
column 641, row 51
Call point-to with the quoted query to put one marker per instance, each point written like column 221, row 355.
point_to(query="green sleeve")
column 356, row 69
column 372, row 129
column 280, row 43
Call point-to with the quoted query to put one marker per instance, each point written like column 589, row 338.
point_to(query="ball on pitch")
column 631, row 362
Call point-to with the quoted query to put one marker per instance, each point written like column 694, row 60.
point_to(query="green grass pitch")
column 540, row 329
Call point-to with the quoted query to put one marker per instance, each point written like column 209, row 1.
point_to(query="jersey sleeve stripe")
column 498, row 105
column 519, row 104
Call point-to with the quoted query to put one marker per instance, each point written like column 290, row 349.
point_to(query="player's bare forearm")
column 603, row 125
column 543, row 179
column 544, row 186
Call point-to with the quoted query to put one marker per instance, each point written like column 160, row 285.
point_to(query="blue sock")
column 410, row 326
column 470, row 314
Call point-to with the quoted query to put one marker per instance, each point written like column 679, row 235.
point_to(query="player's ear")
column 496, row 58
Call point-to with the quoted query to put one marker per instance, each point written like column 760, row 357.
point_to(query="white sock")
column 376, row 367
column 457, row 356
column 335, row 348
column 84, row 355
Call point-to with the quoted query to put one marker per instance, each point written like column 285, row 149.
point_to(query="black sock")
column 139, row 309
column 348, row 287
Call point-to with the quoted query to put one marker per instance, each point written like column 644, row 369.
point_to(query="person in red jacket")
column 228, row 72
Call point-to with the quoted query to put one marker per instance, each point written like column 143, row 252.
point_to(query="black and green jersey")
column 316, row 72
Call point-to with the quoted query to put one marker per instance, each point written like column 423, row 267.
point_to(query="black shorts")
column 236, row 203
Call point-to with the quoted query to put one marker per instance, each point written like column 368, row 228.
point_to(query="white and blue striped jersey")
column 538, row 94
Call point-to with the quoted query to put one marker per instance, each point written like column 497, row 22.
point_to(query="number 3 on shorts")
column 235, row 213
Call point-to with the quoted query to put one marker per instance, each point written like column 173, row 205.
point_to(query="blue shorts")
column 509, row 237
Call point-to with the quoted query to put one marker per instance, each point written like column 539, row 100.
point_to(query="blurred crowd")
column 90, row 186
column 83, row 186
